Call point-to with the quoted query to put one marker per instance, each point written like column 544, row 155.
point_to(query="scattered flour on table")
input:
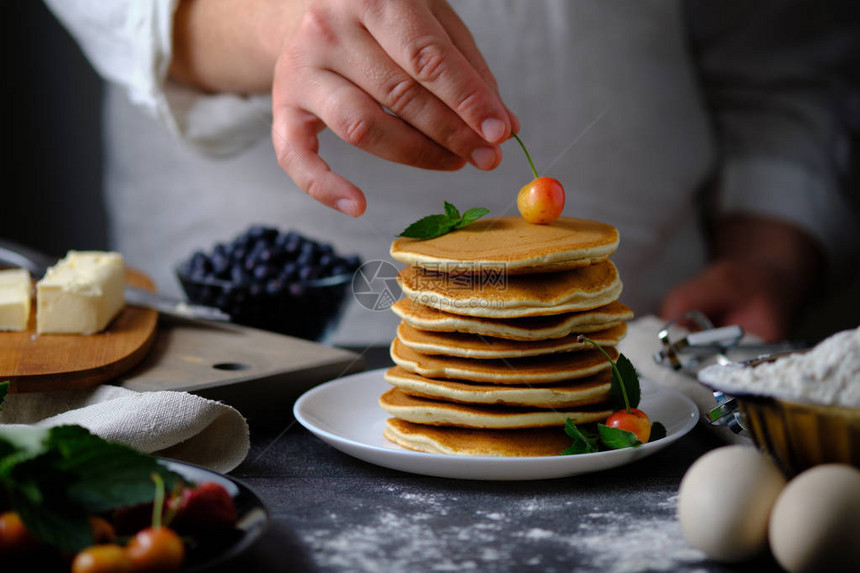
column 423, row 535
column 828, row 374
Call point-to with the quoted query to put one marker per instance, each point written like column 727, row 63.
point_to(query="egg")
column 725, row 500
column 815, row 522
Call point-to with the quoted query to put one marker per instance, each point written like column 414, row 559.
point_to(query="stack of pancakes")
column 487, row 357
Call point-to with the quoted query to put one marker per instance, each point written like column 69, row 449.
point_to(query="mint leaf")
column 658, row 432
column 109, row 475
column 630, row 378
column 4, row 389
column 452, row 212
column 429, row 227
column 616, row 438
column 582, row 443
column 56, row 478
column 36, row 491
column 630, row 381
column 472, row 215
column 624, row 392
column 437, row 225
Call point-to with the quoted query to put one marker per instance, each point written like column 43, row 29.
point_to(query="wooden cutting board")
column 51, row 362
column 258, row 372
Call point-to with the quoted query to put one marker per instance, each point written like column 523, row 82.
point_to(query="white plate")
column 345, row 413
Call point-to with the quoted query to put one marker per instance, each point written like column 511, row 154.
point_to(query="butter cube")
column 81, row 294
column 15, row 289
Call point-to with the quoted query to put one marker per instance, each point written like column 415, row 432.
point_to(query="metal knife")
column 37, row 263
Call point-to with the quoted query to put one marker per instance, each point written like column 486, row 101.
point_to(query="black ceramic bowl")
column 259, row 279
column 309, row 309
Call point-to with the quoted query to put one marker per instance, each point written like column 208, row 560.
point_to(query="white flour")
column 829, row 374
column 413, row 538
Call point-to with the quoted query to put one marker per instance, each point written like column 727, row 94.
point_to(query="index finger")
column 423, row 48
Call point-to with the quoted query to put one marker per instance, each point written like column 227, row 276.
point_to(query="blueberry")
column 288, row 272
column 292, row 245
column 263, row 273
column 242, row 241
column 308, row 273
column 281, row 240
column 258, row 232
column 309, row 248
column 326, row 260
column 274, row 287
column 220, row 249
column 220, row 265
column 238, row 275
column 238, row 254
column 253, row 258
column 305, row 259
column 199, row 260
column 266, row 255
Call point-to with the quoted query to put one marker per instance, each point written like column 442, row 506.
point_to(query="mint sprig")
column 616, row 438
column 624, row 392
column 438, row 225
column 583, row 442
column 56, row 478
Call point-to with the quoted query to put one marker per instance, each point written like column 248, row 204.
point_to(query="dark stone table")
column 334, row 513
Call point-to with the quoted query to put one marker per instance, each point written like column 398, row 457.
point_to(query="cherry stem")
column 158, row 500
column 614, row 369
column 526, row 151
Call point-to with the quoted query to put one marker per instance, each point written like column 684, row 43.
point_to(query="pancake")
column 591, row 390
column 511, row 245
column 440, row 413
column 517, row 371
column 485, row 347
column 468, row 442
column 513, row 296
column 530, row 328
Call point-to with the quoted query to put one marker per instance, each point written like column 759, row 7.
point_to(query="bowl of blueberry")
column 273, row 280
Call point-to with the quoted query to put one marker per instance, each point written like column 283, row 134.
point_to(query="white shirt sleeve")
column 776, row 77
column 129, row 43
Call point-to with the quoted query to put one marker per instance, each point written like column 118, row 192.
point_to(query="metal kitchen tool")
column 37, row 263
column 711, row 344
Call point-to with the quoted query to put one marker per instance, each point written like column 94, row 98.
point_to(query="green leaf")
column 616, row 438
column 109, row 475
column 658, row 432
column 472, row 215
column 624, row 390
column 451, row 211
column 428, row 227
column 66, row 528
column 437, row 225
column 582, row 442
column 4, row 389
column 56, row 478
column 631, row 380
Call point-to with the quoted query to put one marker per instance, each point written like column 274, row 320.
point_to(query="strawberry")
column 205, row 507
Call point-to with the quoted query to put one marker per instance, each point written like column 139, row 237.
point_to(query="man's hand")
column 402, row 80
column 761, row 273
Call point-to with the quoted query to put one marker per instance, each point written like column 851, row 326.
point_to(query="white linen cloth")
column 175, row 425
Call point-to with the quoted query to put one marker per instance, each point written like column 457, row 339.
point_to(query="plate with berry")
column 73, row 500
